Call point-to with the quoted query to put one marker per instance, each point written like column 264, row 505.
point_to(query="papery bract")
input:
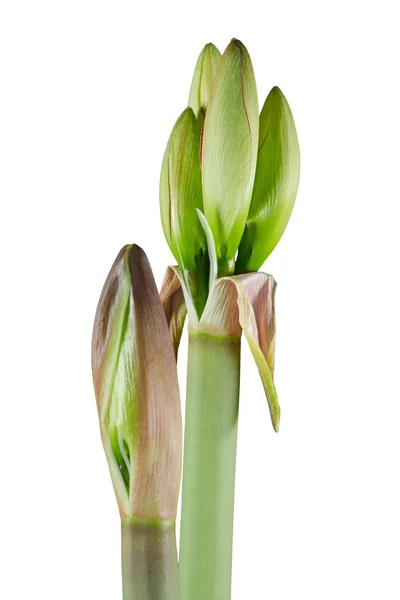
column 240, row 303
column 173, row 302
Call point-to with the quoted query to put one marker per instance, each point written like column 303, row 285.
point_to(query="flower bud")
column 229, row 152
column 203, row 78
column 275, row 184
column 136, row 387
column 180, row 192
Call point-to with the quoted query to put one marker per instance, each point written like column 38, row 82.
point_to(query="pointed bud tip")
column 136, row 254
column 210, row 46
column 276, row 92
column 187, row 111
column 235, row 43
column 185, row 114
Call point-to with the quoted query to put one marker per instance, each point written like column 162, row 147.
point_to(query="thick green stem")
column 212, row 403
column 149, row 561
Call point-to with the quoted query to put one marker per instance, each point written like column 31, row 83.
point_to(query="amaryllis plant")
column 228, row 184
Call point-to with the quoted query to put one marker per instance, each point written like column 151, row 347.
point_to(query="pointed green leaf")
column 275, row 185
column 229, row 151
column 203, row 78
column 136, row 386
column 180, row 192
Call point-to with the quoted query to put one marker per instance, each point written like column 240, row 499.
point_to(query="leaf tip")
column 276, row 421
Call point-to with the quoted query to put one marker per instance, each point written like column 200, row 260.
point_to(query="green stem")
column 149, row 561
column 212, row 403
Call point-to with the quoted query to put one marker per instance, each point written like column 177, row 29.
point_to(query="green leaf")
column 229, row 152
column 203, row 78
column 180, row 192
column 275, row 185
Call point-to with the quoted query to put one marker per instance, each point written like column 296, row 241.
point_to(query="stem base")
column 149, row 561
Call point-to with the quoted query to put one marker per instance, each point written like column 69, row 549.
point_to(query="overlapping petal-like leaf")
column 136, row 386
column 275, row 184
column 229, row 152
column 203, row 79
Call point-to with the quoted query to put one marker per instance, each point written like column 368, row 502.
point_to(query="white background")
column 89, row 93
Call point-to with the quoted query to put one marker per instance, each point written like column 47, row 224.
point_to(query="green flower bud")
column 180, row 192
column 229, row 152
column 275, row 185
column 136, row 387
column 203, row 78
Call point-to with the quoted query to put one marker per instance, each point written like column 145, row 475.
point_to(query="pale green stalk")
column 149, row 561
column 212, row 403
